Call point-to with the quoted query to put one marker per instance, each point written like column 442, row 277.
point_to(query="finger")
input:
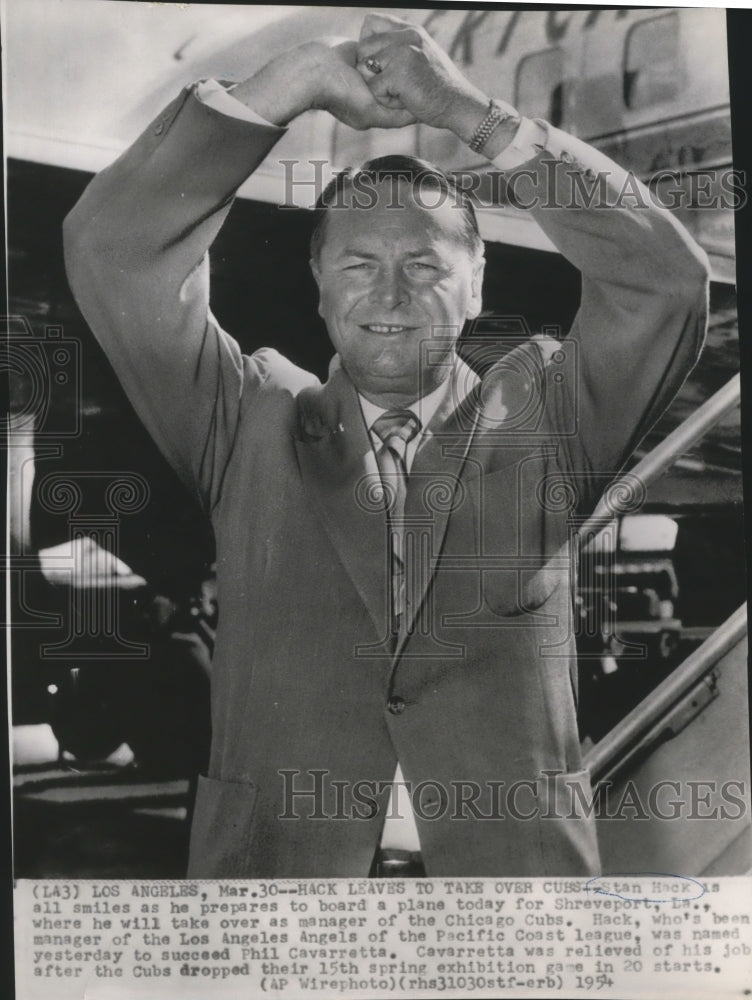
column 385, row 85
column 380, row 101
column 370, row 67
column 393, row 118
column 345, row 48
column 372, row 63
column 374, row 23
column 371, row 46
column 379, row 114
column 377, row 89
column 374, row 117
column 382, row 93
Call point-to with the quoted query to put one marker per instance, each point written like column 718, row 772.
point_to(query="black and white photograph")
column 376, row 492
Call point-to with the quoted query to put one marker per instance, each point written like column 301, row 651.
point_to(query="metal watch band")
column 495, row 115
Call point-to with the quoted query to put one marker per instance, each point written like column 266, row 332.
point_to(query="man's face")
column 391, row 277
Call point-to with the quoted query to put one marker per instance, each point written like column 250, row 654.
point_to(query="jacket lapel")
column 339, row 470
column 432, row 483
column 340, row 473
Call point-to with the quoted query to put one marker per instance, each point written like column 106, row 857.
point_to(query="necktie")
column 395, row 429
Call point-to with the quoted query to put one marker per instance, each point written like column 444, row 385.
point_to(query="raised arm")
column 643, row 307
column 642, row 315
column 136, row 250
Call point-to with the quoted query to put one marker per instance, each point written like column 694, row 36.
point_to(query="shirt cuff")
column 214, row 95
column 530, row 137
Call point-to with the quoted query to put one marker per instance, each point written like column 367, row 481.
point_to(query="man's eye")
column 421, row 265
column 362, row 265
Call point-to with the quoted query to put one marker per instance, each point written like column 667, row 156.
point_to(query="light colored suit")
column 480, row 687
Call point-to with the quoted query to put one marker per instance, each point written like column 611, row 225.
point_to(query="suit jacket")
column 312, row 703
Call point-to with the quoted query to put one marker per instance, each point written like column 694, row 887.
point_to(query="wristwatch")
column 497, row 114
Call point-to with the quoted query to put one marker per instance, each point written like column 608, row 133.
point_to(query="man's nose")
column 389, row 288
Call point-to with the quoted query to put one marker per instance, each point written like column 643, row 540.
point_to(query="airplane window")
column 651, row 62
column 540, row 86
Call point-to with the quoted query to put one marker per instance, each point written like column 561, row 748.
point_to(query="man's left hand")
column 415, row 74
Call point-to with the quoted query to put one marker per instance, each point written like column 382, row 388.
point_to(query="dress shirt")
column 400, row 829
column 423, row 408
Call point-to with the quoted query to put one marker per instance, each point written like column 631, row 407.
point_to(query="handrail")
column 665, row 454
column 626, row 733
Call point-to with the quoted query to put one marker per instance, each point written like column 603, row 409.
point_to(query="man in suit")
column 393, row 546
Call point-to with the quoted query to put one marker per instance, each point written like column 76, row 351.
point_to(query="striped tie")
column 395, row 429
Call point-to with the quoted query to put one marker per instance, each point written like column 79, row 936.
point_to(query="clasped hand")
column 395, row 75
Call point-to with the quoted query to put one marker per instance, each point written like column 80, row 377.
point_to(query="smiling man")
column 394, row 680
column 394, row 274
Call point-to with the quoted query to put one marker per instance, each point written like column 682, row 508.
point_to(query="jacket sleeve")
column 643, row 310
column 136, row 255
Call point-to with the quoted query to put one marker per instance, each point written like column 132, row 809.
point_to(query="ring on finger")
column 373, row 65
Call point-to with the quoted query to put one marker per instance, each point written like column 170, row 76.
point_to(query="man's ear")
column 316, row 272
column 475, row 304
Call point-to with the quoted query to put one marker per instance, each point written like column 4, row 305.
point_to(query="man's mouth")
column 386, row 327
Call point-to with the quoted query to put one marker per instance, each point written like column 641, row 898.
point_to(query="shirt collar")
column 423, row 408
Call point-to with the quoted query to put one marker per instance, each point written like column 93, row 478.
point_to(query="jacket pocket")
column 509, row 593
column 566, row 815
column 220, row 844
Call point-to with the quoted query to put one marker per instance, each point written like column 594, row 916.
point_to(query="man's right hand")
column 319, row 74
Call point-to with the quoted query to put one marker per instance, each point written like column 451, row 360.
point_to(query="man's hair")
column 395, row 168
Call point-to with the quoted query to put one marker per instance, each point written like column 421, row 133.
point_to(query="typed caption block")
column 625, row 935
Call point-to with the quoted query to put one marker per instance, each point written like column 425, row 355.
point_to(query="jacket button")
column 396, row 705
column 159, row 128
